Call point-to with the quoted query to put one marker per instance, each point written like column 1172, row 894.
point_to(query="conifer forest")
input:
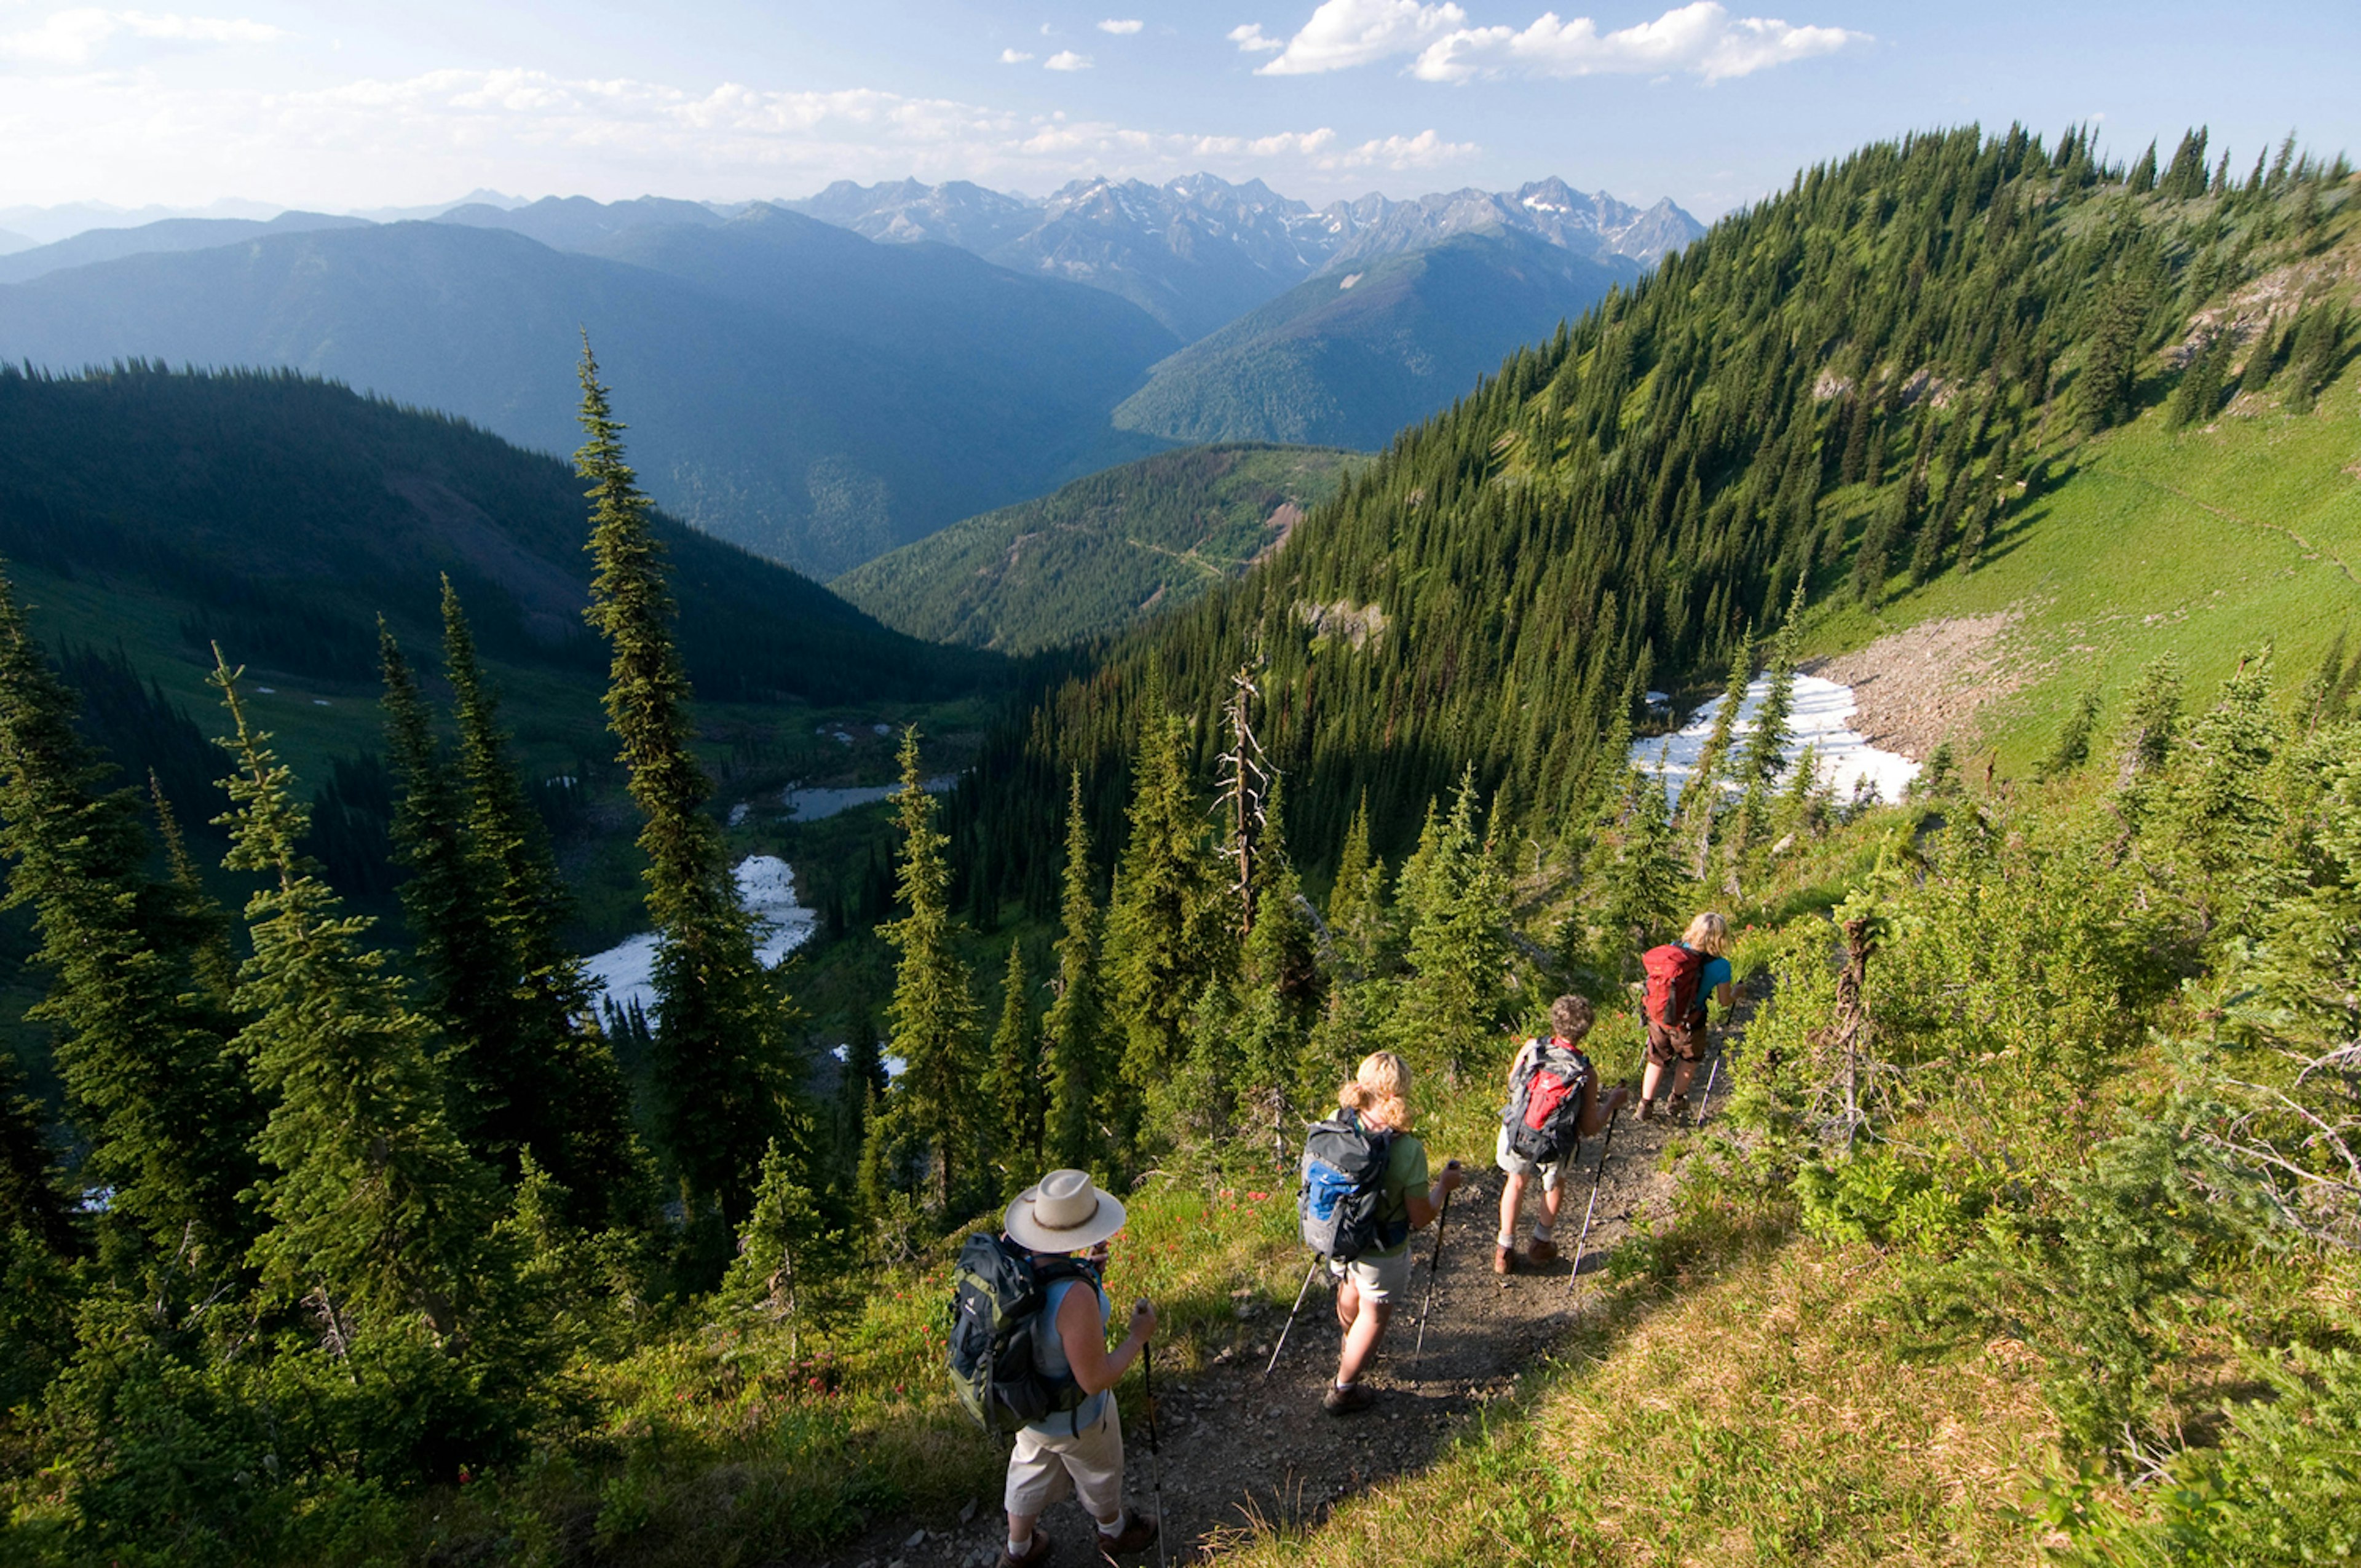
column 340, row 1223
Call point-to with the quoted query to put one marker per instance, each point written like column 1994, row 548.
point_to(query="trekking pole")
column 1155, row 1449
column 1300, row 1295
column 1433, row 1269
column 1596, row 1176
column 1706, row 1098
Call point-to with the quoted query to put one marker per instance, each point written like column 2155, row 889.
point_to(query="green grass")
column 2205, row 543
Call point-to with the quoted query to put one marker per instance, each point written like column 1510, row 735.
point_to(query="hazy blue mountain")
column 577, row 223
column 905, row 212
column 1348, row 360
column 1100, row 552
column 12, row 242
column 46, row 226
column 280, row 516
column 1198, row 252
column 168, row 234
column 782, row 395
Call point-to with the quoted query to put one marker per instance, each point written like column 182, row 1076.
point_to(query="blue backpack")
column 1344, row 1189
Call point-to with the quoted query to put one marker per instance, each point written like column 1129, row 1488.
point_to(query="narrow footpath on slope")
column 1242, row 1452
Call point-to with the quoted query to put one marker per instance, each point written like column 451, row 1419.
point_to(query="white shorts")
column 1379, row 1279
column 1515, row 1164
column 1044, row 1469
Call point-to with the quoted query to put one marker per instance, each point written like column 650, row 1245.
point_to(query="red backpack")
column 1544, row 1111
column 1675, row 985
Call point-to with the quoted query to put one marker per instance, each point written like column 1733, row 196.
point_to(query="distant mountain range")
column 821, row 399
column 794, row 389
column 1198, row 252
column 1102, row 553
column 1349, row 358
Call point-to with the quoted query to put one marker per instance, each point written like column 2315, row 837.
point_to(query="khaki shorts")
column 1379, row 1279
column 1666, row 1047
column 1510, row 1160
column 1043, row 1470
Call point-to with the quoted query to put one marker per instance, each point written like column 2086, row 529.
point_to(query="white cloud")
column 1067, row 60
column 1701, row 40
column 1121, row 27
column 77, row 36
column 1013, row 57
column 1346, row 33
column 130, row 138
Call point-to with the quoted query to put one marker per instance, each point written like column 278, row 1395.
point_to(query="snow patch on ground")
column 625, row 974
column 1822, row 720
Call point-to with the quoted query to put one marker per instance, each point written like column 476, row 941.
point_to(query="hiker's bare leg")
column 1681, row 1079
column 1349, row 1303
column 1551, row 1198
column 1020, row 1529
column 1653, row 1080
column 1361, row 1340
column 1512, row 1194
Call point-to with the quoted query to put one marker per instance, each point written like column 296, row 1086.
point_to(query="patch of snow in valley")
column 1822, row 720
column 625, row 974
column 811, row 805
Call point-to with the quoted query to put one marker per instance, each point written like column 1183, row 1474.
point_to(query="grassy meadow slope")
column 2204, row 542
column 1100, row 553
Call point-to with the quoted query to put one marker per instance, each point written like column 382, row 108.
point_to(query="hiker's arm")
column 1424, row 1206
column 1722, row 994
column 1096, row 1369
column 1596, row 1113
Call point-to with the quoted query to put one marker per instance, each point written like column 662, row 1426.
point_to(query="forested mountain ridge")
column 268, row 500
column 814, row 408
column 1876, row 372
column 1351, row 357
column 1098, row 553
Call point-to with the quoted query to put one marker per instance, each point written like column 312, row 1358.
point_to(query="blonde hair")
column 1379, row 1092
column 1708, row 934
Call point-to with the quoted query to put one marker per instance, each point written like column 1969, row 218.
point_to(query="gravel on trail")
column 1242, row 1453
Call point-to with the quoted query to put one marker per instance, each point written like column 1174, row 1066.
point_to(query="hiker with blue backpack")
column 1681, row 976
column 1553, row 1104
column 1366, row 1190
column 1029, row 1351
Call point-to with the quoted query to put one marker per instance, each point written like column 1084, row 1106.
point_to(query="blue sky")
column 347, row 107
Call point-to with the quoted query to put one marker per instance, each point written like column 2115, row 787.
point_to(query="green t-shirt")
column 1405, row 1173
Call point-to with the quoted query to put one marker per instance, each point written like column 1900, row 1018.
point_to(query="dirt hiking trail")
column 1241, row 1452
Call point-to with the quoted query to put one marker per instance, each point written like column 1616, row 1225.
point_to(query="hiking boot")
column 1540, row 1250
column 1680, row 1108
column 1504, row 1260
column 1040, row 1552
column 1346, row 1401
column 1647, row 1109
column 1139, row 1535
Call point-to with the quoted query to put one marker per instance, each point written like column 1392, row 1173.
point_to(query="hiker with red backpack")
column 1553, row 1104
column 1028, row 1350
column 1364, row 1190
column 1681, row 977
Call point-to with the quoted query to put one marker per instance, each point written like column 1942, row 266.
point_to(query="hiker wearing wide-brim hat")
column 1080, row 1449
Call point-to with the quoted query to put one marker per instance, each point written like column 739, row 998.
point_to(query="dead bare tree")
column 1246, row 786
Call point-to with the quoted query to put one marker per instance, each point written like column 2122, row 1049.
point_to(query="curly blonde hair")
column 1708, row 934
column 1379, row 1092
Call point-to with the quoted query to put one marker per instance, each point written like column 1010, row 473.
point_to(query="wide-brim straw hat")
column 1065, row 1211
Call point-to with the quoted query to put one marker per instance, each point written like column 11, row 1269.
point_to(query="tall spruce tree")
column 138, row 1049
column 1701, row 794
column 722, row 1067
column 1014, row 1090
column 1076, row 1026
column 466, row 971
column 933, row 1023
column 1280, row 983
column 568, row 1098
column 1456, row 902
column 377, row 1212
column 1159, row 942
